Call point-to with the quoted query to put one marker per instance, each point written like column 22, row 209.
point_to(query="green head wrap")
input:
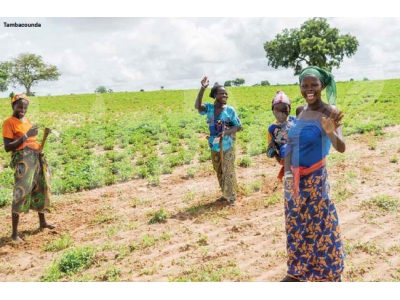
column 326, row 78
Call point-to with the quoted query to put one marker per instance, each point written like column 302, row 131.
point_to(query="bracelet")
column 288, row 175
column 203, row 87
column 26, row 137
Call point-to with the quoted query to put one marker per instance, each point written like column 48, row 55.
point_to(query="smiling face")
column 20, row 108
column 311, row 88
column 281, row 112
column 221, row 96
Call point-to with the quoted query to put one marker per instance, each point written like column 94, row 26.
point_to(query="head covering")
column 19, row 97
column 326, row 78
column 280, row 97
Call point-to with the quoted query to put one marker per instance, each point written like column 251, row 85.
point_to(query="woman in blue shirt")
column 223, row 123
column 314, row 244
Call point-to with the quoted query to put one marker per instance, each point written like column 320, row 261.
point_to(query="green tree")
column 315, row 44
column 265, row 83
column 3, row 79
column 228, row 83
column 239, row 81
column 28, row 69
column 101, row 89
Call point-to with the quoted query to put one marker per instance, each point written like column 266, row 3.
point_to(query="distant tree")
column 216, row 83
column 28, row 69
column 265, row 83
column 100, row 90
column 365, row 79
column 4, row 76
column 239, row 81
column 142, row 90
column 11, row 95
column 162, row 88
column 351, row 79
column 228, row 83
column 110, row 91
column 315, row 43
column 257, row 84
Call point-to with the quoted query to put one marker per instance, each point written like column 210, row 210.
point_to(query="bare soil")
column 201, row 240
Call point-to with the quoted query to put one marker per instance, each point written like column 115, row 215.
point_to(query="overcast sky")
column 129, row 54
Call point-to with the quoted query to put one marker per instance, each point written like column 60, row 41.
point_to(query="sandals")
column 232, row 202
column 221, row 199
column 290, row 279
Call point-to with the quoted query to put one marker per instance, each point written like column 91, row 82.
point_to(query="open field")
column 134, row 190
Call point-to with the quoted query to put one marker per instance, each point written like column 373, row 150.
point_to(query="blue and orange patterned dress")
column 314, row 244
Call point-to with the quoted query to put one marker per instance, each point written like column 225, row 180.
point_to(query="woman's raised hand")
column 205, row 82
column 333, row 122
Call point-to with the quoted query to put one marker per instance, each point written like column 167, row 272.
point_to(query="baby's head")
column 281, row 106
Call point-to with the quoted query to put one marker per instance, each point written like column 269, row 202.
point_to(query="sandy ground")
column 201, row 240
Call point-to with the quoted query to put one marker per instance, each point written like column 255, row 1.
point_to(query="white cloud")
column 5, row 36
column 107, row 48
column 127, row 54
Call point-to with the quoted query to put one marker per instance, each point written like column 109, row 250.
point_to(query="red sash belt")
column 303, row 171
column 281, row 172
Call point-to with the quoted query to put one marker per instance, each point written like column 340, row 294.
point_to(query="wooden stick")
column 221, row 156
column 46, row 133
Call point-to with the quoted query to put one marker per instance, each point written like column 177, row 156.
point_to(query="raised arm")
column 204, row 84
column 333, row 129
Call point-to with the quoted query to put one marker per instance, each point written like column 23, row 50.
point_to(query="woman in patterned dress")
column 314, row 243
column 223, row 123
column 31, row 171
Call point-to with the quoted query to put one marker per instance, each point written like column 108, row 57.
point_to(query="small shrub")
column 246, row 162
column 191, row 172
column 372, row 145
column 70, row 263
column 5, row 197
column 158, row 216
column 77, row 259
column 256, row 186
column 383, row 202
column 154, row 180
column 275, row 198
column 59, row 244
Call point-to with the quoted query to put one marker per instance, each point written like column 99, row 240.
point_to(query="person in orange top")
column 31, row 171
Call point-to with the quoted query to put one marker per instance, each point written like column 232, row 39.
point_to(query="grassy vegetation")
column 70, row 263
column 115, row 137
column 209, row 272
column 382, row 202
column 157, row 216
column 58, row 244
